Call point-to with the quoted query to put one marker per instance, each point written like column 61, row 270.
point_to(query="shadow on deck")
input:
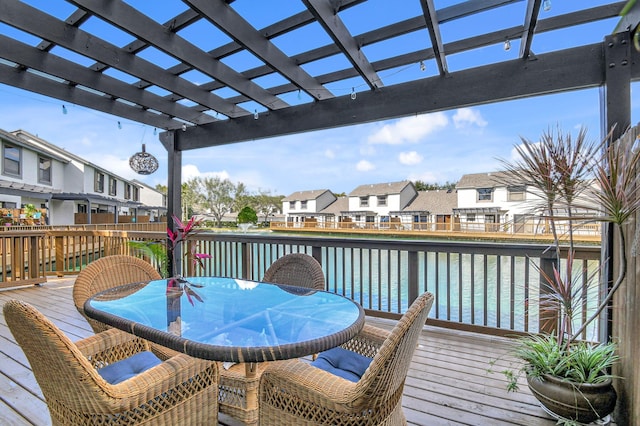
column 447, row 384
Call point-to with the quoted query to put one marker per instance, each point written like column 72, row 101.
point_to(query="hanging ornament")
column 143, row 163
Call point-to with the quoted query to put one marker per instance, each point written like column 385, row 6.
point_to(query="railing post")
column 246, row 260
column 59, row 256
column 548, row 318
column 412, row 276
column 17, row 259
column 316, row 252
column 34, row 258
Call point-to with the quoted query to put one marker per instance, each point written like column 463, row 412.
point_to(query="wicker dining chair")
column 108, row 272
column 295, row 392
column 239, row 382
column 179, row 390
column 296, row 269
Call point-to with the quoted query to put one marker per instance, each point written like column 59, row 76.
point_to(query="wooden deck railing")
column 20, row 258
column 486, row 287
column 530, row 230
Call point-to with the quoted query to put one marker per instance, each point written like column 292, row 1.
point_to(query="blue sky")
column 437, row 147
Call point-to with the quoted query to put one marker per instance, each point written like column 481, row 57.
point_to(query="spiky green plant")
column 563, row 170
column 154, row 250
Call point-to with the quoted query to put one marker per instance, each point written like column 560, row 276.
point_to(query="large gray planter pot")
column 583, row 403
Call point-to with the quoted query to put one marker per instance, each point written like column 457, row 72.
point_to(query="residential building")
column 333, row 216
column 496, row 202
column 370, row 204
column 429, row 210
column 305, row 206
column 493, row 202
column 153, row 202
column 65, row 187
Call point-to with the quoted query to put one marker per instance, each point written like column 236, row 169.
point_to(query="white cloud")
column 409, row 129
column 410, row 158
column 466, row 117
column 364, row 166
column 330, row 154
column 190, row 171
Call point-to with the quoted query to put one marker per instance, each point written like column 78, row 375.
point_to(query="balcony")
column 448, row 382
column 484, row 292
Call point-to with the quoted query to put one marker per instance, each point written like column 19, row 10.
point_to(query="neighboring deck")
column 447, row 384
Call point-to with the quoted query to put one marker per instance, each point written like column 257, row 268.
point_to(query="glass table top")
column 228, row 319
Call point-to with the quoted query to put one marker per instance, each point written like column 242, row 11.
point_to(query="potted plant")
column 569, row 375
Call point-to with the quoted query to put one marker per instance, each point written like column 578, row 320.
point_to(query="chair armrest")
column 299, row 380
column 368, row 341
column 178, row 377
column 110, row 346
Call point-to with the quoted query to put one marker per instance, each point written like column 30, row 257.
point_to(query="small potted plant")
column 567, row 374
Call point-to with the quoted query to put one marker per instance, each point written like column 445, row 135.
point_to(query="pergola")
column 204, row 100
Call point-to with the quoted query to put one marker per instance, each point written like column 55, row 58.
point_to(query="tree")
column 242, row 197
column 266, row 204
column 218, row 197
column 247, row 215
column 191, row 197
column 423, row 186
column 162, row 188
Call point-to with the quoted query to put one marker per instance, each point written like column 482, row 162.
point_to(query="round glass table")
column 227, row 319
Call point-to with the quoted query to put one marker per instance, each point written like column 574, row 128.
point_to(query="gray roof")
column 94, row 198
column 26, row 190
column 18, row 137
column 341, row 204
column 380, row 188
column 313, row 194
column 51, row 150
column 439, row 201
column 485, row 180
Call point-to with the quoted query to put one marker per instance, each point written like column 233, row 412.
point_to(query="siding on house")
column 71, row 187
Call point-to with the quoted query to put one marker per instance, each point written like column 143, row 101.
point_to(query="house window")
column 127, row 191
column 113, row 186
column 44, row 170
column 485, row 194
column 471, row 217
column 292, row 205
column 82, row 208
column 136, row 193
column 382, row 200
column 11, row 160
column 303, row 205
column 364, row 201
column 515, row 193
column 98, row 185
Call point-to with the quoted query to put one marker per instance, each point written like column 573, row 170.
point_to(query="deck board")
column 448, row 382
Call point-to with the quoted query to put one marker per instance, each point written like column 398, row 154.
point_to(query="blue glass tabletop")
column 228, row 319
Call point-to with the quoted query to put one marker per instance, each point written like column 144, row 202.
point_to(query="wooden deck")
column 447, row 384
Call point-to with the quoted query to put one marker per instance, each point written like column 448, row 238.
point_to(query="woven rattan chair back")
column 182, row 390
column 108, row 272
column 296, row 393
column 386, row 375
column 296, row 269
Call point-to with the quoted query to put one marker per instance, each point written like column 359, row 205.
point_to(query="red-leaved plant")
column 176, row 239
